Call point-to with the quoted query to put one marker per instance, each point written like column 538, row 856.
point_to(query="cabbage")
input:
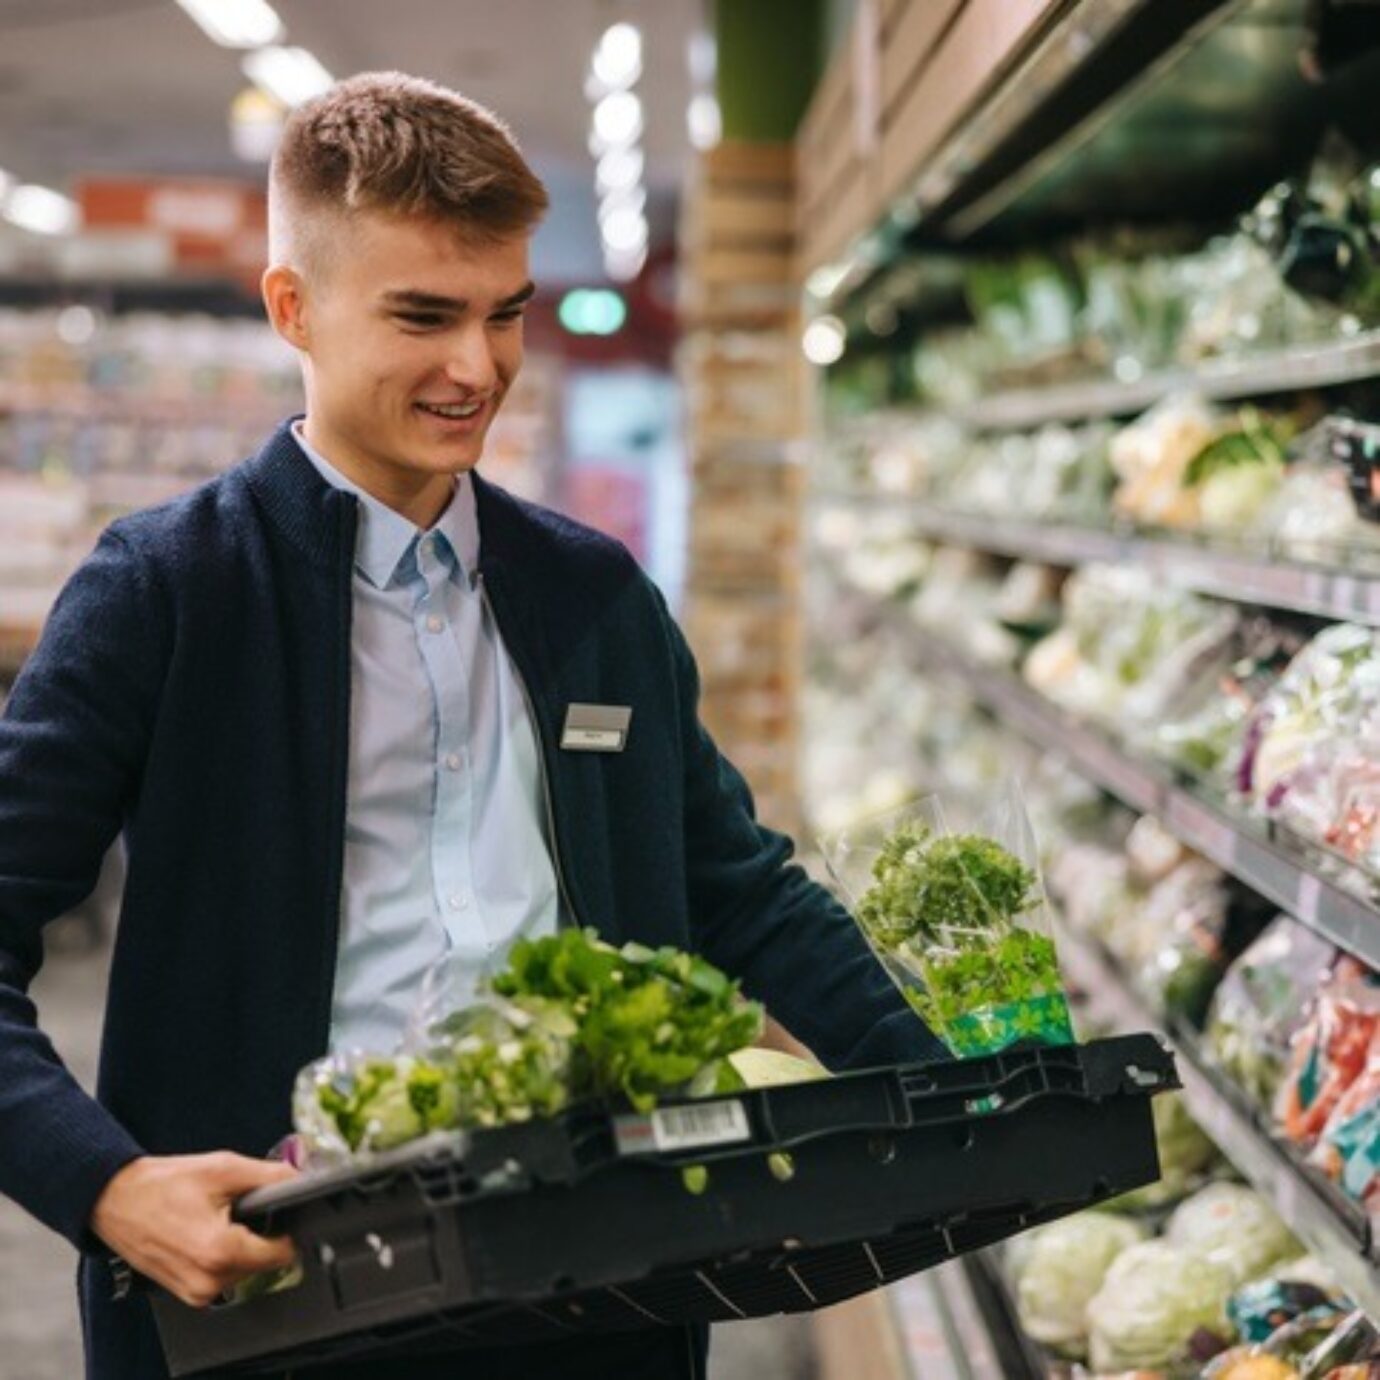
column 1233, row 498
column 1235, row 1228
column 1063, row 1266
column 1154, row 1298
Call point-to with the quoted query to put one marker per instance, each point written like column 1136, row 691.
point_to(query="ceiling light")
column 633, row 200
column 618, row 119
column 77, row 325
column 293, row 75
column 624, row 265
column 702, row 58
column 41, row 210
column 256, row 123
column 618, row 57
column 236, row 23
column 824, row 340
column 620, row 169
column 624, row 228
column 592, row 311
column 703, row 121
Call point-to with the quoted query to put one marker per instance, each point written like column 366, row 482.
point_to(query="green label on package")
column 987, row 1029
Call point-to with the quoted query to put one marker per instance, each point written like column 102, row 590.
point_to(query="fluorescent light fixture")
column 293, row 75
column 703, row 121
column 624, row 229
column 41, row 210
column 624, row 265
column 617, row 62
column 824, row 340
column 620, row 169
column 633, row 200
column 236, row 23
column 618, row 119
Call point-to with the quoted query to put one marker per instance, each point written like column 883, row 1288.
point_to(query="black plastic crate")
column 584, row 1223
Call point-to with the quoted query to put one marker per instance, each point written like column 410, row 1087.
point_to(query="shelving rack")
column 956, row 129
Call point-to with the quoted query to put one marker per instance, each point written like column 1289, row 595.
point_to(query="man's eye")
column 424, row 319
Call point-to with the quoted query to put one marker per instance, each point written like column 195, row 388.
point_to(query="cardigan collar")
column 318, row 518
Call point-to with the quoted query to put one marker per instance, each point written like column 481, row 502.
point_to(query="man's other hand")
column 169, row 1217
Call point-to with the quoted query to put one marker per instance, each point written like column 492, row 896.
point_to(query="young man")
column 325, row 698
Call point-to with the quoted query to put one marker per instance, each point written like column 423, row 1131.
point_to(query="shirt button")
column 457, row 902
column 434, row 624
column 453, row 761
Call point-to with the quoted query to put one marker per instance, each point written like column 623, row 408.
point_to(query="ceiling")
column 134, row 86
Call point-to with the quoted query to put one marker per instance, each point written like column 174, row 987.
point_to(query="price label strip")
column 690, row 1127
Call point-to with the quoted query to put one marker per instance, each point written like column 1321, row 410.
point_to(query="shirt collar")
column 386, row 538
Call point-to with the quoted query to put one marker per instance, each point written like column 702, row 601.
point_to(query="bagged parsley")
column 958, row 920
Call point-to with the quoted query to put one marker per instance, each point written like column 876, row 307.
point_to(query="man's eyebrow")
column 430, row 301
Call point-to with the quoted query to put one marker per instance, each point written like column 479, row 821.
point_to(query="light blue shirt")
column 446, row 848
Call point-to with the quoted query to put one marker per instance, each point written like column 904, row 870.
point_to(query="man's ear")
column 284, row 295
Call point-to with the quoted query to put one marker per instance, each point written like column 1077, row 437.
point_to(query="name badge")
column 596, row 728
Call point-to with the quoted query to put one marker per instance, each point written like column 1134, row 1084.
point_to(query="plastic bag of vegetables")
column 1153, row 1307
column 1262, row 1002
column 958, row 918
column 1062, row 1266
column 1234, row 1227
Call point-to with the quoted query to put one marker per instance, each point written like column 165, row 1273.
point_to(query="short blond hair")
column 387, row 142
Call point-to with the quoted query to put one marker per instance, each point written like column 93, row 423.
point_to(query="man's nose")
column 471, row 361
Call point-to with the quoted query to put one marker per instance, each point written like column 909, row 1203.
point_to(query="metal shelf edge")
column 1327, row 592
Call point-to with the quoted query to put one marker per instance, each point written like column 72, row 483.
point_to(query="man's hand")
column 169, row 1217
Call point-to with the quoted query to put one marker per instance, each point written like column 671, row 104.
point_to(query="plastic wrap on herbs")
column 958, row 918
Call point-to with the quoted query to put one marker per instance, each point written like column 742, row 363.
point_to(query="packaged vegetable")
column 1261, row 1003
column 569, row 1017
column 1257, row 1310
column 1234, row 1227
column 1062, row 1267
column 1328, row 1052
column 959, row 920
column 1348, row 1148
column 1155, row 1298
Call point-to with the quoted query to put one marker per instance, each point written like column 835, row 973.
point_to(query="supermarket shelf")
column 1306, row 882
column 942, row 1331
column 1245, row 576
column 1278, row 371
column 1341, row 1243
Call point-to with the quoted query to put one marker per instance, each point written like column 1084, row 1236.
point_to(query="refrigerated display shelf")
column 1261, row 574
column 1276, row 371
column 1319, row 888
column 1335, row 1231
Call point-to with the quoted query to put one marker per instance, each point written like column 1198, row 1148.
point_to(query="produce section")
column 1093, row 508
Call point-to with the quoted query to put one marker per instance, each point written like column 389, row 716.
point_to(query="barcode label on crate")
column 683, row 1128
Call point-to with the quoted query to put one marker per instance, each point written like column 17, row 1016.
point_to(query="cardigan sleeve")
column 72, row 744
column 761, row 918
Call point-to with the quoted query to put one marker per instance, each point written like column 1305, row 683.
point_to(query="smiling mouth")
column 454, row 412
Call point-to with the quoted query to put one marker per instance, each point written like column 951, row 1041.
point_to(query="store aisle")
column 38, row 1315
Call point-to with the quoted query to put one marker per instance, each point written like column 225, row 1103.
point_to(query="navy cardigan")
column 192, row 688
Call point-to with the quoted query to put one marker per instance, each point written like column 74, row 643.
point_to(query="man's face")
column 413, row 337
